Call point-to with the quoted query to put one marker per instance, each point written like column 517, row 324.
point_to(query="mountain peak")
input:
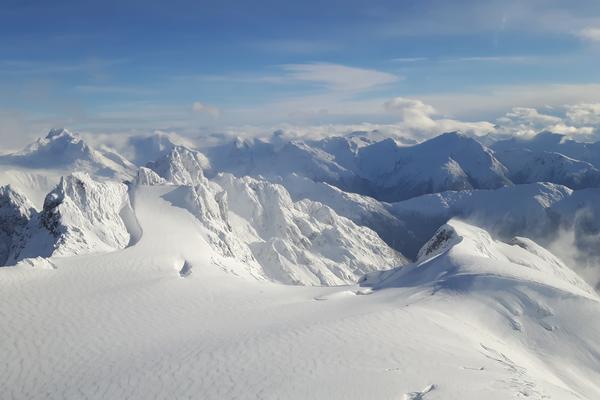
column 59, row 132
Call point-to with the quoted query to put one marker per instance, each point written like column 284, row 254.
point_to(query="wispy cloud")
column 495, row 59
column 506, row 59
column 328, row 76
column 338, row 77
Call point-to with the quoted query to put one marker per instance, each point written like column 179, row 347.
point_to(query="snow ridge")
column 256, row 221
column 303, row 242
column 181, row 166
column 83, row 215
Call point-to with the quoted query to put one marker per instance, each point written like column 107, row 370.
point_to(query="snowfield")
column 175, row 279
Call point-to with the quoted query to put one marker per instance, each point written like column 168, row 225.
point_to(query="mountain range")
column 448, row 260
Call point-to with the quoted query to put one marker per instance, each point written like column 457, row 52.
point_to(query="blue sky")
column 203, row 65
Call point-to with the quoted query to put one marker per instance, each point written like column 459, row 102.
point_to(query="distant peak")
column 549, row 137
column 454, row 134
column 59, row 133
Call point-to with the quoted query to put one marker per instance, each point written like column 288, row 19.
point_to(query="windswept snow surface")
column 168, row 318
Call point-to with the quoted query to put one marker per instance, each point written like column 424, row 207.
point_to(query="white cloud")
column 496, row 59
column 338, row 77
column 530, row 115
column 419, row 119
column 492, row 100
column 591, row 33
column 574, row 121
column 414, row 113
column 202, row 108
column 584, row 113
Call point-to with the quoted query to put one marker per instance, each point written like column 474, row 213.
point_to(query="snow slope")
column 169, row 285
column 517, row 210
column 129, row 324
column 181, row 166
column 527, row 166
column 362, row 210
column 302, row 242
column 450, row 161
column 554, row 143
column 524, row 294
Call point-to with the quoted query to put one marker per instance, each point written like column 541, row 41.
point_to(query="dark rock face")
column 16, row 213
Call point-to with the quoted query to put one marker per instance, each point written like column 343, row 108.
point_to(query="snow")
column 62, row 151
column 79, row 215
column 181, row 166
column 530, row 210
column 125, row 324
column 527, row 166
column 179, row 280
column 147, row 177
column 303, row 242
column 362, row 210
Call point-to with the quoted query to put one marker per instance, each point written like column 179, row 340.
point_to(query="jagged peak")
column 443, row 239
column 60, row 133
column 9, row 197
column 181, row 166
column 147, row 177
column 83, row 214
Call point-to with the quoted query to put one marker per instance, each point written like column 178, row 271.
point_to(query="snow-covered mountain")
column 79, row 216
column 554, row 143
column 84, row 215
column 450, row 161
column 181, row 166
column 459, row 254
column 63, row 151
column 295, row 242
column 302, row 242
column 517, row 291
column 362, row 210
column 527, row 166
column 183, row 269
column 384, row 169
column 260, row 158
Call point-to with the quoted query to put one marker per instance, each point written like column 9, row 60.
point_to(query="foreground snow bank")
column 166, row 318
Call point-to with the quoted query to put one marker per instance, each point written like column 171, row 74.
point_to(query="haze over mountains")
column 442, row 244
